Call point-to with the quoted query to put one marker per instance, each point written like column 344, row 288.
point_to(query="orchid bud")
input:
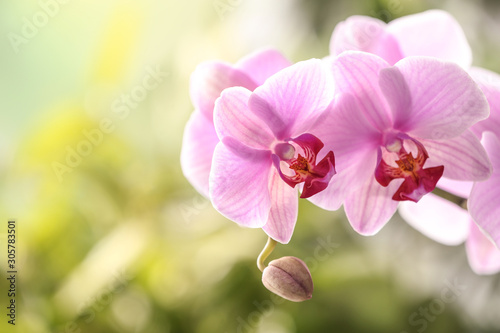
column 289, row 278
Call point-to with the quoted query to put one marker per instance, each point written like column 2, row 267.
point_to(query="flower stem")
column 270, row 245
column 459, row 201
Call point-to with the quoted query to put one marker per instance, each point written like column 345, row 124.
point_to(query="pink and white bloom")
column 207, row 82
column 449, row 224
column 395, row 131
column 433, row 33
column 267, row 147
column 436, row 33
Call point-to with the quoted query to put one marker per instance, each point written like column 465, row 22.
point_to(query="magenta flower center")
column 301, row 165
column 396, row 162
column 315, row 177
column 408, row 165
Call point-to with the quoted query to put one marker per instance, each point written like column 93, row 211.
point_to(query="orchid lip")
column 315, row 176
column 399, row 163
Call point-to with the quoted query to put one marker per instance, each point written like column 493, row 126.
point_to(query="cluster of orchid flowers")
column 395, row 111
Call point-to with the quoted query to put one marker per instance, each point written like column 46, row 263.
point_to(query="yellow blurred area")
column 119, row 41
column 110, row 235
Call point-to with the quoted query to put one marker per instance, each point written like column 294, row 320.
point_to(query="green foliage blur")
column 110, row 237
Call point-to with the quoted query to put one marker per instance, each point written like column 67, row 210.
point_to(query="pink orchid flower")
column 395, row 131
column 436, row 33
column 267, row 148
column 479, row 226
column 449, row 224
column 207, row 82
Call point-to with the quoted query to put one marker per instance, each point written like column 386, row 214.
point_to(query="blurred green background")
column 120, row 242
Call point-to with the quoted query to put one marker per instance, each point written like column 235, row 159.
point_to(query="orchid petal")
column 483, row 255
column 357, row 73
column 445, row 99
column 284, row 209
column 437, row 218
column 260, row 65
column 396, row 91
column 356, row 33
column 233, row 118
column 484, row 200
column 198, row 144
column 463, row 157
column 353, row 139
column 433, row 33
column 345, row 128
column 348, row 180
column 239, row 183
column 489, row 82
column 293, row 99
column 208, row 81
column 370, row 207
column 457, row 187
column 367, row 34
